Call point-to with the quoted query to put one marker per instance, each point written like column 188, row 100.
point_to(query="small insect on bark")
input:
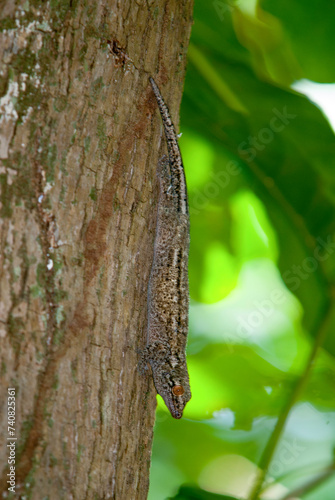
column 168, row 296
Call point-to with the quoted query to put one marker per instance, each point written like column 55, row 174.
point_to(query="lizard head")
column 172, row 383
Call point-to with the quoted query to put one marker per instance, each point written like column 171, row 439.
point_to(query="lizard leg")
column 155, row 352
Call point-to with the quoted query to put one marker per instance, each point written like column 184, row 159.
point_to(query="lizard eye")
column 178, row 390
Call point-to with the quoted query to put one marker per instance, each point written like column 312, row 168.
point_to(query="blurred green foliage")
column 260, row 166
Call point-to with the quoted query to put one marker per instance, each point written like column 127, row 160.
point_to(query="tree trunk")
column 80, row 136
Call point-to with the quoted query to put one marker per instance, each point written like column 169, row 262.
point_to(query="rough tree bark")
column 80, row 141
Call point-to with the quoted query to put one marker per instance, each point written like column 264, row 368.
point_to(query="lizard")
column 168, row 294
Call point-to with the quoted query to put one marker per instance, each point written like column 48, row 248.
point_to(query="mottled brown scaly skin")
column 168, row 296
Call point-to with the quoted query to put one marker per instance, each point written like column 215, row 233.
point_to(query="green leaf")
column 194, row 493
